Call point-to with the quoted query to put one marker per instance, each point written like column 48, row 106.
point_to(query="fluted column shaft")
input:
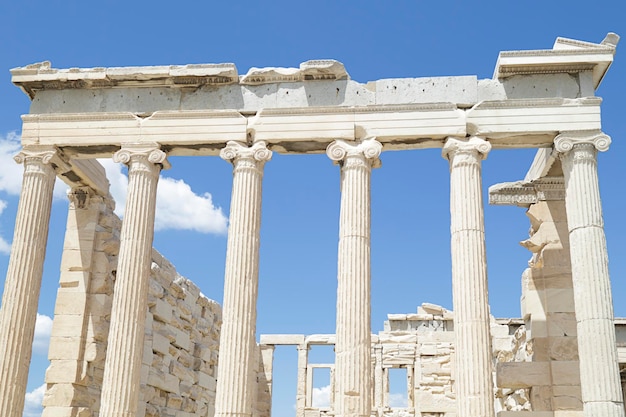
column 353, row 340
column 23, row 281
column 474, row 387
column 599, row 371
column 122, row 370
column 237, row 339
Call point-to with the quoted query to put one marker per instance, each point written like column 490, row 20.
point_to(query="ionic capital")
column 467, row 146
column 367, row 151
column 41, row 154
column 566, row 141
column 234, row 151
column 141, row 152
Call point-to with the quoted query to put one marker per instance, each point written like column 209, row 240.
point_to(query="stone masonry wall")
column 181, row 335
column 550, row 373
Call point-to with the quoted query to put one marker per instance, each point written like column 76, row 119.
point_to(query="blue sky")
column 410, row 202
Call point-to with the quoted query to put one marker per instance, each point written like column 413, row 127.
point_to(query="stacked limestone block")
column 181, row 336
column 510, row 344
column 179, row 372
column 552, row 376
column 264, row 369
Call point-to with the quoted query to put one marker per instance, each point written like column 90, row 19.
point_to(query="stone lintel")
column 504, row 123
column 523, row 194
column 567, row 56
column 88, row 172
column 531, row 122
column 282, row 339
column 320, row 339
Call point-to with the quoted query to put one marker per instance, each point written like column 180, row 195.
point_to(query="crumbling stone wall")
column 550, row 373
column 182, row 329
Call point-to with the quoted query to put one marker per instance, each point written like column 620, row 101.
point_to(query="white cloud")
column 5, row 247
column 398, row 400
column 321, row 397
column 32, row 402
column 178, row 207
column 43, row 329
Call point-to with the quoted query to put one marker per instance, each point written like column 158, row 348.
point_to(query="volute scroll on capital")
column 470, row 145
column 42, row 153
column 151, row 152
column 566, row 141
column 237, row 150
column 367, row 149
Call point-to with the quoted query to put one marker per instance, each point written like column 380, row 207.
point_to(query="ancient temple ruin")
column 133, row 338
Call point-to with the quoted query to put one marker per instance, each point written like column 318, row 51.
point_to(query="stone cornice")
column 523, row 194
column 324, row 69
column 41, row 76
column 567, row 56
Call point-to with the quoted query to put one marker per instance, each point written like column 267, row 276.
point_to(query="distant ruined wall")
column 181, row 334
column 422, row 344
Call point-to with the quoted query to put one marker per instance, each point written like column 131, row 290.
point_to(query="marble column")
column 23, row 280
column 599, row 371
column 474, row 386
column 238, row 335
column 122, row 370
column 301, row 386
column 353, row 340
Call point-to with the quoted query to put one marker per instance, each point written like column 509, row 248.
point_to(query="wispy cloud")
column 43, row 329
column 398, row 400
column 32, row 402
column 178, row 207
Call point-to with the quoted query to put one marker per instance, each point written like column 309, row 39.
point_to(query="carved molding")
column 566, row 141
